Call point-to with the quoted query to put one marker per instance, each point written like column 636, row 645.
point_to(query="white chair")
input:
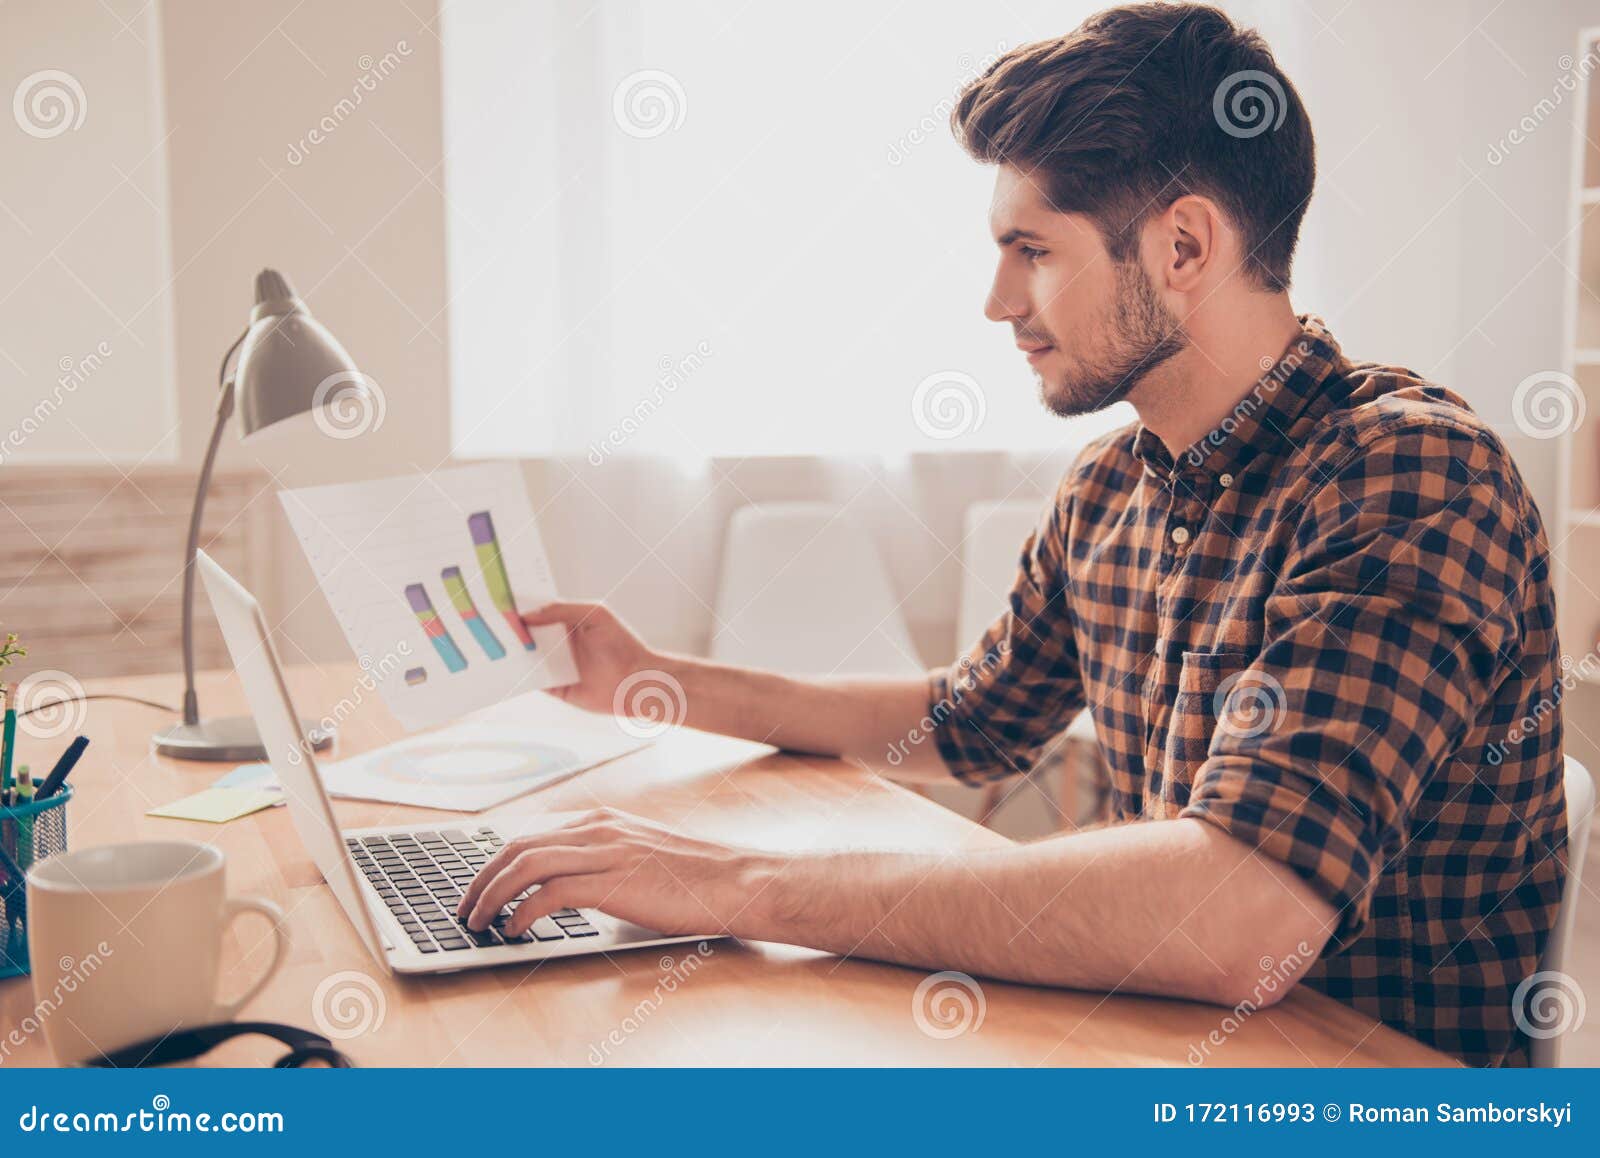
column 993, row 536
column 803, row 591
column 1545, row 1052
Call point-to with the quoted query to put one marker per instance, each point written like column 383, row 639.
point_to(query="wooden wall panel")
column 91, row 563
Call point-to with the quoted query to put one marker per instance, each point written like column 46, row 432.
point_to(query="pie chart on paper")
column 474, row 762
column 495, row 755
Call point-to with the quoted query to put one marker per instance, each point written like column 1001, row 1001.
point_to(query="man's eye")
column 1030, row 254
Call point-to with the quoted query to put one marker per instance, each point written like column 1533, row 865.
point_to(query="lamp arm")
column 191, row 704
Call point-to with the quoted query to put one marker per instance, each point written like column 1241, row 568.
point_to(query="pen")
column 10, row 738
column 13, row 891
column 58, row 774
column 8, row 824
column 24, row 794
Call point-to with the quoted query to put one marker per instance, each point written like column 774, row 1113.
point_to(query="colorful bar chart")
column 493, row 567
column 434, row 628
column 461, row 599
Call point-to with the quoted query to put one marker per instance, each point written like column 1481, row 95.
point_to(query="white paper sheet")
column 409, row 567
column 492, row 756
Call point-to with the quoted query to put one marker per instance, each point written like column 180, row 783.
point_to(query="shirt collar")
column 1264, row 416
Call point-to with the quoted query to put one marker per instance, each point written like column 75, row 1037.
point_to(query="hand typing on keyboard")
column 421, row 875
column 623, row 865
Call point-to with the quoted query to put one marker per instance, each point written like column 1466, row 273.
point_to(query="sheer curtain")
column 712, row 255
column 698, row 231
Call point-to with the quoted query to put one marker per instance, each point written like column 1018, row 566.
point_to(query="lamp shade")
column 289, row 363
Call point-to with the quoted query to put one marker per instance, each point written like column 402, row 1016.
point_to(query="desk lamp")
column 288, row 365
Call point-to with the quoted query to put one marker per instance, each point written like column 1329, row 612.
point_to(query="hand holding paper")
column 428, row 576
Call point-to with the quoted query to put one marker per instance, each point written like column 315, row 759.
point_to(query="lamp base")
column 230, row 739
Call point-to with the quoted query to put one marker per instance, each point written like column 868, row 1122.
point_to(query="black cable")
column 96, row 696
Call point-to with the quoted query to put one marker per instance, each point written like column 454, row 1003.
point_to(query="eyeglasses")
column 305, row 1047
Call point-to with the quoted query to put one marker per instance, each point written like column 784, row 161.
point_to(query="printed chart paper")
column 428, row 576
column 502, row 752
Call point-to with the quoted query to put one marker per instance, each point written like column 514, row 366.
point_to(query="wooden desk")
column 739, row 1005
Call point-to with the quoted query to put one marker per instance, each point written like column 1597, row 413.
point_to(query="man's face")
column 1092, row 327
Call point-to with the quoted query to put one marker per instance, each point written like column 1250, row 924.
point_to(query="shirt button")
column 1226, row 480
column 1180, row 535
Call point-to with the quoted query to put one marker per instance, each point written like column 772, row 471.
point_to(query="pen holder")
column 30, row 832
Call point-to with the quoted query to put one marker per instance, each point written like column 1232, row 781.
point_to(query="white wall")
column 86, row 354
column 797, row 235
column 1417, row 249
column 356, row 222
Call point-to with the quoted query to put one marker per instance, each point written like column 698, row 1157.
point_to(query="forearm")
column 857, row 717
column 1176, row 908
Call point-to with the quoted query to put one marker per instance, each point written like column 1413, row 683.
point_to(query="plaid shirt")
column 1327, row 629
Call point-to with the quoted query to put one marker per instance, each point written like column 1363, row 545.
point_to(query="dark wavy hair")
column 1142, row 105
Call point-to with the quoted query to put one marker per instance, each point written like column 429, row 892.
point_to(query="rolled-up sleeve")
column 1384, row 639
column 1019, row 686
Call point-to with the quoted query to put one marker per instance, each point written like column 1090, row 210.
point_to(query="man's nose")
column 1004, row 304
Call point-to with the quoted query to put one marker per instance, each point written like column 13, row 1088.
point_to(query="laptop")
column 398, row 884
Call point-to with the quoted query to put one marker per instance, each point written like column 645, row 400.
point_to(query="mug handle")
column 235, row 907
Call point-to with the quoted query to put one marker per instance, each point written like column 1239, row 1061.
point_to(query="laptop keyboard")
column 421, row 876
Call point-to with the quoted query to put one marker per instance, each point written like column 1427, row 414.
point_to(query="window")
column 699, row 231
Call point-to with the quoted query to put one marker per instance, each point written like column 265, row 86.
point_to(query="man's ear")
column 1192, row 235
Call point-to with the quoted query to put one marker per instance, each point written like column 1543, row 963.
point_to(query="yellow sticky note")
column 218, row 805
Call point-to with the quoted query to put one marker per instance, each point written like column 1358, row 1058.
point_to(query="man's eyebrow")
column 1011, row 235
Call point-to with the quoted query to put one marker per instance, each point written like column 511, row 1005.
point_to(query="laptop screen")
column 245, row 631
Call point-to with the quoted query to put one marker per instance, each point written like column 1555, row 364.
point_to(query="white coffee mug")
column 124, row 941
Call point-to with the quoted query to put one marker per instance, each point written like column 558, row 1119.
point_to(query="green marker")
column 10, row 739
column 24, row 823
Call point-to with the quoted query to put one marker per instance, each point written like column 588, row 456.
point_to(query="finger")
column 530, row 870
column 582, row 829
column 505, row 857
column 533, row 867
column 570, row 611
column 488, row 872
column 588, row 891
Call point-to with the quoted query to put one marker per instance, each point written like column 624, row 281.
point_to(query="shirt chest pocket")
column 1204, row 680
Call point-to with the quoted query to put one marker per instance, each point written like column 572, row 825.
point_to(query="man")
column 1307, row 601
